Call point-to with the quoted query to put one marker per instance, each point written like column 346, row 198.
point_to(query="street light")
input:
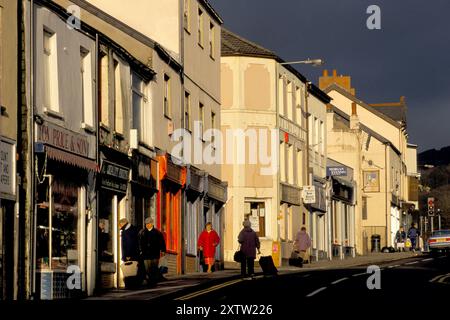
column 314, row 62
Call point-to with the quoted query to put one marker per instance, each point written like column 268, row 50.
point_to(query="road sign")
column 309, row 194
column 430, row 203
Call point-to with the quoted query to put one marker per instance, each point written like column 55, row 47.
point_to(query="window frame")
column 200, row 33
column 167, row 108
column 143, row 99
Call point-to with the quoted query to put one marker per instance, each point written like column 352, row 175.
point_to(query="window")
column 289, row 100
column 104, row 90
column 187, row 111
column 167, row 106
column 316, row 135
column 138, row 101
column 191, row 225
column 201, row 117
column 299, row 167
column 213, row 126
column 281, row 95
column 87, row 105
column 322, row 138
column 200, row 27
column 211, row 40
column 298, row 102
column 364, row 208
column 255, row 211
column 118, row 100
column 50, row 71
column 282, row 162
column 186, row 16
column 290, row 164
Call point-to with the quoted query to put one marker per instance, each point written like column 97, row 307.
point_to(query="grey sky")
column 409, row 56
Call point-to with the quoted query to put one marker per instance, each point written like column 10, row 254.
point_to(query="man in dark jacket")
column 130, row 244
column 249, row 242
column 413, row 235
column 152, row 246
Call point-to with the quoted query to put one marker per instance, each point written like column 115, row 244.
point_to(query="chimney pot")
column 354, row 109
column 334, row 73
column 325, row 73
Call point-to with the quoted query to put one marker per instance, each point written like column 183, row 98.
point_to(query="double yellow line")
column 205, row 291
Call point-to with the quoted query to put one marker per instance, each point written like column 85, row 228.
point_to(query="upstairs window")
column 200, row 27
column 212, row 40
column 167, row 102
column 187, row 111
column 138, row 100
column 50, row 71
column 87, row 104
column 186, row 16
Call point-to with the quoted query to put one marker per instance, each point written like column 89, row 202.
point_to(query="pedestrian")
column 152, row 246
column 130, row 244
column 302, row 244
column 130, row 255
column 400, row 238
column 249, row 241
column 413, row 235
column 207, row 243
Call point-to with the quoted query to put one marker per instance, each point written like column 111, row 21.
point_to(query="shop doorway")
column 6, row 250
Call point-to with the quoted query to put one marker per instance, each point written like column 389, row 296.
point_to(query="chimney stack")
column 354, row 120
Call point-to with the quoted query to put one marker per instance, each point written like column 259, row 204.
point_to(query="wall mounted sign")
column 337, row 171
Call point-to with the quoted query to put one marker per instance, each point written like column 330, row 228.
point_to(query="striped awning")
column 71, row 159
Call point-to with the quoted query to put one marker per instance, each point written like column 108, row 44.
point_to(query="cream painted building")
column 265, row 101
column 9, row 110
column 373, row 141
column 184, row 96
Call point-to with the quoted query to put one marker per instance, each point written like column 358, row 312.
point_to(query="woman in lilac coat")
column 249, row 241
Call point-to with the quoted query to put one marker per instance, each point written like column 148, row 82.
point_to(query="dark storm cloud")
column 409, row 56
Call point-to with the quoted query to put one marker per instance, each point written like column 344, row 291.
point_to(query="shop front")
column 65, row 170
column 343, row 217
column 144, row 188
column 112, row 190
column 8, row 223
column 290, row 220
column 172, row 179
column 214, row 199
column 193, row 220
column 318, row 218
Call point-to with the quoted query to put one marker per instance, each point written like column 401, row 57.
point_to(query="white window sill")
column 53, row 114
column 88, row 128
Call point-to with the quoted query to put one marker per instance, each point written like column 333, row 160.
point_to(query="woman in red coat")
column 207, row 242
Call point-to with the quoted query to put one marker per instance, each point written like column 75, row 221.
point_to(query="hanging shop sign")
column 309, row 194
column 62, row 138
column 114, row 177
column 7, row 168
column 337, row 171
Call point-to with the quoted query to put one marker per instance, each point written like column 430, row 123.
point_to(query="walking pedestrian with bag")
column 413, row 235
column 302, row 244
column 130, row 254
column 207, row 243
column 249, row 244
column 152, row 246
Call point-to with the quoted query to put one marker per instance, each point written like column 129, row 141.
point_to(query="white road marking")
column 340, row 280
column 440, row 278
column 359, row 274
column 396, row 266
column 214, row 288
column 442, row 257
column 306, row 275
column 390, row 267
column 316, row 292
column 409, row 263
column 429, row 259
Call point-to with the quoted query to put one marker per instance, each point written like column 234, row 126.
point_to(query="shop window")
column 105, row 227
column 58, row 234
column 255, row 211
column 144, row 206
column 170, row 210
column 191, row 227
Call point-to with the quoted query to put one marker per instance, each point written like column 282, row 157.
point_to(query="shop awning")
column 344, row 182
column 71, row 159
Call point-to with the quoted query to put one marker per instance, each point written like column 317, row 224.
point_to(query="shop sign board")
column 309, row 194
column 7, row 168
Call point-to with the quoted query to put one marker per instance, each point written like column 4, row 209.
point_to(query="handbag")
column 201, row 257
column 163, row 267
column 239, row 255
column 129, row 269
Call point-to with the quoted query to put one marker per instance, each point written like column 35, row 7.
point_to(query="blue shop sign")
column 336, row 171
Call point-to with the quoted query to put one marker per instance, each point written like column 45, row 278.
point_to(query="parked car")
column 439, row 241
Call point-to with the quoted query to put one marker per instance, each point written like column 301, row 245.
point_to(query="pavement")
column 190, row 282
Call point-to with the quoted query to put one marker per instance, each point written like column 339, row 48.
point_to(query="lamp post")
column 314, row 63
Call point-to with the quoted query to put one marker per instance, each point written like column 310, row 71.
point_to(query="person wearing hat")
column 152, row 246
column 249, row 241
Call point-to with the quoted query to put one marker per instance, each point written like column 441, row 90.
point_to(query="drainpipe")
column 32, row 265
column 386, row 192
column 277, row 117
